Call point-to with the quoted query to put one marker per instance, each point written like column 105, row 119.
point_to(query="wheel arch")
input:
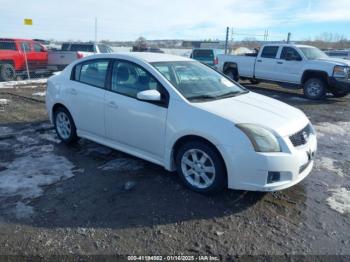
column 230, row 65
column 190, row 137
column 58, row 105
column 314, row 74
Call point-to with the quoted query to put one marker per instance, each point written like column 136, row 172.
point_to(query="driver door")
column 289, row 66
column 136, row 124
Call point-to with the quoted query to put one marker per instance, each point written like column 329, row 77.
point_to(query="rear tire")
column 201, row 168
column 315, row 89
column 7, row 72
column 339, row 93
column 232, row 73
column 64, row 126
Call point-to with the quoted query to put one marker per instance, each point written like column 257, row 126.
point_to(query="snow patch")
column 329, row 165
column 50, row 137
column 4, row 101
column 26, row 140
column 340, row 201
column 26, row 175
column 122, row 164
column 12, row 84
column 39, row 94
column 337, row 129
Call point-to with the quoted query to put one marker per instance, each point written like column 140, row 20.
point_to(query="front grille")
column 300, row 138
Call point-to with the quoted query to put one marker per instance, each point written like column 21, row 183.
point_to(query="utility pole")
column 226, row 42
column 95, row 30
column 288, row 37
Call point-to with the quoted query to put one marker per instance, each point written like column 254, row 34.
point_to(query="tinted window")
column 290, row 53
column 92, row 73
column 37, row 47
column 25, row 46
column 269, row 52
column 82, row 48
column 7, row 45
column 129, row 79
column 203, row 54
column 65, row 47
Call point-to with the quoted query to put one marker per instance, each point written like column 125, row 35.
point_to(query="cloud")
column 156, row 19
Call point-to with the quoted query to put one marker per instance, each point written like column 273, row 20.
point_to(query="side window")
column 269, row 52
column 129, row 79
column 37, row 47
column 92, row 73
column 289, row 53
column 25, row 47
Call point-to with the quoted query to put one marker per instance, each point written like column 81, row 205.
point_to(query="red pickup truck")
column 13, row 56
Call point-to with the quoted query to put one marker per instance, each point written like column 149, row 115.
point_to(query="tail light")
column 216, row 61
column 79, row 55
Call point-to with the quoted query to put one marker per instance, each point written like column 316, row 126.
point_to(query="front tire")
column 64, row 125
column 232, row 73
column 339, row 93
column 315, row 89
column 201, row 168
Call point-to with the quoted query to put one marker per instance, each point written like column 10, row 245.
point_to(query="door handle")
column 279, row 62
column 259, row 60
column 112, row 104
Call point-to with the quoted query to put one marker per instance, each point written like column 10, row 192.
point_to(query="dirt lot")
column 89, row 199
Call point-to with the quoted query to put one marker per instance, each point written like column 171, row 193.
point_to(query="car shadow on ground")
column 109, row 188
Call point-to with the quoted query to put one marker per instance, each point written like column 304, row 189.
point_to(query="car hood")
column 257, row 109
column 336, row 61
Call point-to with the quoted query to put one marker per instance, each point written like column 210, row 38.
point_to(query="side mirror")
column 149, row 95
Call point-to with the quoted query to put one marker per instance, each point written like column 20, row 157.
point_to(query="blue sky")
column 181, row 19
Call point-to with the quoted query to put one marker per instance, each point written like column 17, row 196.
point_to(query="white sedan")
column 185, row 116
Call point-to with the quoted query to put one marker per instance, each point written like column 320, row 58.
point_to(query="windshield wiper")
column 201, row 97
column 231, row 94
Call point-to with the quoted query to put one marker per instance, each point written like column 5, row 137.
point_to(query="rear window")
column 78, row 47
column 83, row 48
column 269, row 52
column 7, row 45
column 203, row 54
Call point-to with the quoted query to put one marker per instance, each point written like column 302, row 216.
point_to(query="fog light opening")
column 273, row 177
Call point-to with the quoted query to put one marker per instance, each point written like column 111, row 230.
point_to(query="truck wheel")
column 339, row 93
column 201, row 168
column 7, row 72
column 315, row 89
column 232, row 73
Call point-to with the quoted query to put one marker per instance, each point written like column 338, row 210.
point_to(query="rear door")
column 266, row 63
column 289, row 66
column 85, row 95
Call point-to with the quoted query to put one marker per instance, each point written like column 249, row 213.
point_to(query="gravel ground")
column 89, row 199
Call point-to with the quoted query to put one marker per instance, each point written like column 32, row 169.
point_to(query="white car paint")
column 150, row 131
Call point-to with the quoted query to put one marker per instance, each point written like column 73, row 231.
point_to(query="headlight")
column 261, row 138
column 340, row 71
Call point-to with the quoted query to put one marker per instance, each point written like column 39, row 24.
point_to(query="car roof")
column 144, row 56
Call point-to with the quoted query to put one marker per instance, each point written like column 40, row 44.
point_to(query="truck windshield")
column 198, row 82
column 313, row 53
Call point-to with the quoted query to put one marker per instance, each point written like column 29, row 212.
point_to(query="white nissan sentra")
column 184, row 116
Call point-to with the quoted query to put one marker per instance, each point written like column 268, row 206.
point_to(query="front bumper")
column 339, row 83
column 250, row 170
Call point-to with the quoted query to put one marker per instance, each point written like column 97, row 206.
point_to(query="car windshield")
column 198, row 82
column 313, row 53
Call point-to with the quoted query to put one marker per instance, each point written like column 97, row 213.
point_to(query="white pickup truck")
column 58, row 60
column 291, row 65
